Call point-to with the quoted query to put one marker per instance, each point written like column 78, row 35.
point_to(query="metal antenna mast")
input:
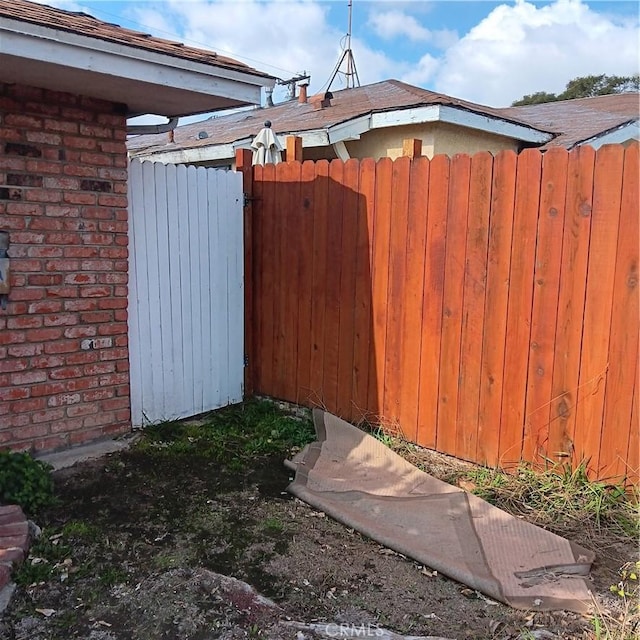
column 351, row 73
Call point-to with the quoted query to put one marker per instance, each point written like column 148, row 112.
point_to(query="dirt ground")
column 129, row 550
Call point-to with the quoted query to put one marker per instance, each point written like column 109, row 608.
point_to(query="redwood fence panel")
column 483, row 307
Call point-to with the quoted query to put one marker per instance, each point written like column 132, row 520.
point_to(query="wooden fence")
column 485, row 307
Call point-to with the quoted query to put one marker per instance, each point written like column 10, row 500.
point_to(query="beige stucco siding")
column 437, row 138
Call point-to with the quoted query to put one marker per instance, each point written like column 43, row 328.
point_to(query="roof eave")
column 147, row 81
column 615, row 135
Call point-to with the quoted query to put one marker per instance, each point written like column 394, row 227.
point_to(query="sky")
column 491, row 53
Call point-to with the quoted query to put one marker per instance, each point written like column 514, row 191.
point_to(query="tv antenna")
column 351, row 72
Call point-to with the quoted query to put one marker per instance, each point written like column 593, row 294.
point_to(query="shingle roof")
column 292, row 117
column 578, row 120
column 86, row 25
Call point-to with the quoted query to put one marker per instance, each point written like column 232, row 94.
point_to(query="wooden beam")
column 294, row 148
column 412, row 147
column 244, row 166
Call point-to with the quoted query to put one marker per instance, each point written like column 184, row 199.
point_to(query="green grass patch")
column 232, row 435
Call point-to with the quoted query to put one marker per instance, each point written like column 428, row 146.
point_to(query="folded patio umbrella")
column 362, row 483
column 266, row 147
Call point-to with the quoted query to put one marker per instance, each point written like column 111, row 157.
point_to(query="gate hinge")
column 246, row 359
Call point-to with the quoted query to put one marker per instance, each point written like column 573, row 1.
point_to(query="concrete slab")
column 69, row 457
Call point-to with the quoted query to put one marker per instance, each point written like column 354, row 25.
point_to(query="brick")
column 62, row 183
column 45, row 252
column 55, row 211
column 24, row 150
column 97, row 394
column 113, row 303
column 25, row 237
column 104, row 417
column 43, row 166
column 44, row 195
column 61, row 265
column 13, row 364
column 24, row 350
column 112, row 329
column 64, row 400
column 45, row 306
column 24, row 180
column 24, row 209
column 62, row 346
column 28, row 377
column 122, row 366
column 115, row 403
column 43, row 335
column 98, row 213
column 24, row 322
column 61, row 125
column 114, row 253
column 81, row 278
column 80, row 197
column 70, row 424
column 96, row 343
column 44, row 137
column 25, row 264
column 81, row 305
column 112, row 201
column 95, row 292
column 80, row 142
column 48, row 415
column 27, row 405
column 102, row 186
column 45, row 362
column 42, row 280
column 12, row 337
column 81, row 252
column 63, row 292
column 59, row 320
column 99, row 368
column 33, row 431
column 80, row 332
column 10, row 193
column 64, row 373
column 81, row 170
column 82, row 410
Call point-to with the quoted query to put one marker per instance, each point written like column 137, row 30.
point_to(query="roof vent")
column 202, row 135
column 321, row 101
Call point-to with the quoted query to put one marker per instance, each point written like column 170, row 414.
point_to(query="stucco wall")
column 437, row 138
column 64, row 367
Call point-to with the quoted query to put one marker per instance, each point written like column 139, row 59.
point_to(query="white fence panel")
column 186, row 303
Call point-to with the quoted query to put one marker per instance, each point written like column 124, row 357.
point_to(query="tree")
column 585, row 87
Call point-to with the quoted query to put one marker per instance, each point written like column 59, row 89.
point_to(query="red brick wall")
column 63, row 337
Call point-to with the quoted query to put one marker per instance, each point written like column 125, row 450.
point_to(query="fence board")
column 305, row 266
column 344, row 398
column 452, row 303
column 496, row 301
column 432, row 300
column 320, row 221
column 380, row 279
column 623, row 346
column 594, row 360
column 516, row 363
column 573, row 277
column 291, row 215
column 545, row 304
column 414, row 291
column 475, row 276
column 632, row 466
column 363, row 339
column 396, row 292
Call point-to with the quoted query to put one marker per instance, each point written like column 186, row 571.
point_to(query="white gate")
column 186, row 303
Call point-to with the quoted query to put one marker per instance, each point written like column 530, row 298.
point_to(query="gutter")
column 152, row 129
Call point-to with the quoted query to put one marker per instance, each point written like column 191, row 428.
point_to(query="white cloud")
column 399, row 24
column 519, row 49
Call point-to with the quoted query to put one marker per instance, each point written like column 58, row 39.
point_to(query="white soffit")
column 147, row 81
column 460, row 117
column 628, row 131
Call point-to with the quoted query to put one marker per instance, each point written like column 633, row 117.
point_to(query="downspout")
column 150, row 129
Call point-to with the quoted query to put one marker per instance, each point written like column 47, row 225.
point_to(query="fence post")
column 244, row 166
column 412, row 147
column 294, row 148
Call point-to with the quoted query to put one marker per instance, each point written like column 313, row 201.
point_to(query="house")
column 368, row 121
column 373, row 120
column 68, row 83
column 594, row 121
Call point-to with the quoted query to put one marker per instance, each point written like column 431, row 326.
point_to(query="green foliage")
column 232, row 435
column 25, row 481
column 45, row 561
column 584, row 87
column 560, row 498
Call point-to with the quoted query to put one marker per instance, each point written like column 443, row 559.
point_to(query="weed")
column 559, row 498
column 273, row 525
column 80, row 530
column 111, row 575
column 231, row 436
column 45, row 561
column 25, row 481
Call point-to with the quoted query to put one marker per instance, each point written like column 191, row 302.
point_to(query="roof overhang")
column 623, row 133
column 146, row 81
column 353, row 129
